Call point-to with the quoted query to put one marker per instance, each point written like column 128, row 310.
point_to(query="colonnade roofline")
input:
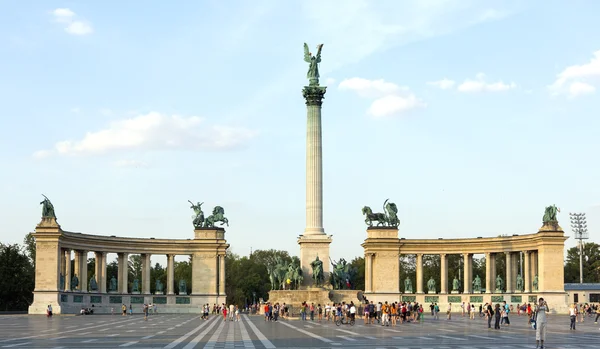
column 478, row 245
column 134, row 245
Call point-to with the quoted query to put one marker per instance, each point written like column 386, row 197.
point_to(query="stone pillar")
column 63, row 267
column 509, row 273
column 444, row 273
column 102, row 283
column 468, row 273
column 47, row 267
column 527, row 271
column 534, row 267
column 314, row 161
column 515, row 269
column 68, row 271
column 170, row 273
column 490, row 272
column 123, row 272
column 222, row 276
column 98, row 269
column 368, row 272
column 314, row 242
column 77, row 265
column 146, row 263
column 83, row 279
column 419, row 273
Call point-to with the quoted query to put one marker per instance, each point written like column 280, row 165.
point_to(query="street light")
column 579, row 227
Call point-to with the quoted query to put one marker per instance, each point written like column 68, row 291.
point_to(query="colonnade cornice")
column 106, row 244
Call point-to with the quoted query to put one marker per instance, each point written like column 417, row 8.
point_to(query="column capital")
column 314, row 95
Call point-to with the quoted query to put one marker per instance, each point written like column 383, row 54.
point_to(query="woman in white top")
column 573, row 315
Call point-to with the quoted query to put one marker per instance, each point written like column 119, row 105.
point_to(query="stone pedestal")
column 208, row 264
column 498, row 291
column 431, row 292
column 455, row 292
column 312, row 246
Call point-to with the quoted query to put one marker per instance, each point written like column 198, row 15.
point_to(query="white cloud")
column 581, row 88
column 444, row 84
column 154, row 131
column 329, row 81
column 63, row 14
column 480, row 85
column 389, row 99
column 73, row 27
column 571, row 79
column 130, row 163
column 79, row 28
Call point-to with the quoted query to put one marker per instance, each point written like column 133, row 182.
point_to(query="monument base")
column 455, row 292
column 498, row 291
column 294, row 298
column 311, row 247
column 431, row 292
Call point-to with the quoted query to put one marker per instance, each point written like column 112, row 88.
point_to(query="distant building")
column 583, row 293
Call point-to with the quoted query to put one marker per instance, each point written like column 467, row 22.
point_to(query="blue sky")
column 471, row 116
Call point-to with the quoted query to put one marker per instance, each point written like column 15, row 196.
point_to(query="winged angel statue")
column 313, row 68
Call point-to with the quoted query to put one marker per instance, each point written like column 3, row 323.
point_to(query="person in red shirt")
column 224, row 312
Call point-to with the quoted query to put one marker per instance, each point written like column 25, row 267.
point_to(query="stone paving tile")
column 175, row 331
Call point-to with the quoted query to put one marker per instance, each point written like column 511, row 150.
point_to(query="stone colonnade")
column 56, row 284
column 529, row 272
column 542, row 259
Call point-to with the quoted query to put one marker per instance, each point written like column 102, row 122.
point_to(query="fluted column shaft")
column 444, row 273
column 98, row 269
column 314, row 161
column 527, row 278
column 83, row 279
column 419, row 273
column 123, row 272
column 468, row 273
column 68, row 271
column 509, row 273
column 102, row 282
column 170, row 273
column 63, row 268
column 77, row 266
column 146, row 264
column 222, row 276
column 490, row 272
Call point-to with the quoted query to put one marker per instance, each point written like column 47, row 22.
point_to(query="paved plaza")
column 178, row 331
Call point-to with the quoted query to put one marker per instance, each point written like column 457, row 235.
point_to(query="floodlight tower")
column 579, row 227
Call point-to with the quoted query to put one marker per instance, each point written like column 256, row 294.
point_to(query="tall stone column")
column 527, row 271
column 170, row 273
column 468, row 273
column 146, row 263
column 98, row 269
column 509, row 273
column 77, row 265
column 515, row 269
column 222, row 275
column 83, row 279
column 314, row 242
column 123, row 272
column 534, row 267
column 419, row 273
column 444, row 273
column 63, row 267
column 68, row 271
column 490, row 272
column 368, row 272
column 103, row 278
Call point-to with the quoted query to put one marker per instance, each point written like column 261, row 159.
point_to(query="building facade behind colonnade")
column 542, row 272
column 66, row 289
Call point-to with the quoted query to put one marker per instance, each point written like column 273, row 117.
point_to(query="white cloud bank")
column 73, row 26
column 576, row 80
column 474, row 85
column 389, row 99
column 154, row 131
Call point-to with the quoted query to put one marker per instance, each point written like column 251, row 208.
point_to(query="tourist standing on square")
column 573, row 315
column 489, row 312
column 449, row 312
column 540, row 332
column 497, row 314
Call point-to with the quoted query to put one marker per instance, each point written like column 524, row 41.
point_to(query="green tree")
column 358, row 264
column 29, row 243
column 183, row 271
column 16, row 278
column 157, row 273
column 591, row 263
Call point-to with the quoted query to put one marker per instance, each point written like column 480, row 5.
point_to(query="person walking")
column 541, row 321
column 449, row 312
column 489, row 314
column 497, row 314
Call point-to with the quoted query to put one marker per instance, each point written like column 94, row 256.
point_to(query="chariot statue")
column 218, row 215
column 388, row 218
column 199, row 214
column 550, row 214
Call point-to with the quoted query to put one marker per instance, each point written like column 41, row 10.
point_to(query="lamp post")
column 579, row 227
